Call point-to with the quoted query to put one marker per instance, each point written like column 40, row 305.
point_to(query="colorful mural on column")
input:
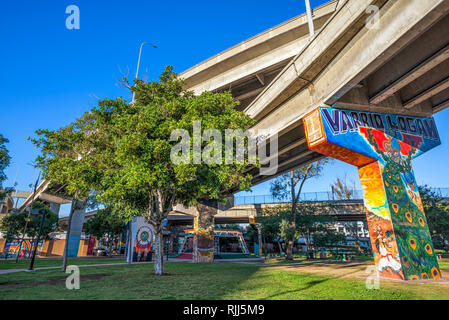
column 142, row 237
column 203, row 241
column 382, row 147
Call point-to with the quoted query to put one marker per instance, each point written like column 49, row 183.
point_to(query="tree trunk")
column 158, row 252
column 289, row 255
column 110, row 248
column 280, row 247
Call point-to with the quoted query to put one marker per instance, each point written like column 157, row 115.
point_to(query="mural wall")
column 13, row 246
column 142, row 237
column 382, row 147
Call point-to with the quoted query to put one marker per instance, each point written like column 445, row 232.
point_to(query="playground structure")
column 220, row 236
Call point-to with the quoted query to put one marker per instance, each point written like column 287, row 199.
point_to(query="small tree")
column 14, row 223
column 316, row 226
column 106, row 223
column 122, row 152
column 271, row 223
column 5, row 160
column 342, row 188
column 289, row 186
column 437, row 214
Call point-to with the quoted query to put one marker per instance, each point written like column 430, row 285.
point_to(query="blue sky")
column 50, row 75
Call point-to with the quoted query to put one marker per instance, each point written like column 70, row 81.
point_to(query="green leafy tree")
column 14, row 223
column 5, row 160
column 342, row 188
column 317, row 226
column 437, row 214
column 313, row 223
column 289, row 186
column 121, row 152
column 106, row 223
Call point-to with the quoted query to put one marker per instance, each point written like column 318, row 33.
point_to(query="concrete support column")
column 55, row 207
column 203, row 241
column 397, row 224
column 76, row 228
column 382, row 146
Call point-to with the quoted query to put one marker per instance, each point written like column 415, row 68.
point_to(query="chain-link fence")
column 316, row 196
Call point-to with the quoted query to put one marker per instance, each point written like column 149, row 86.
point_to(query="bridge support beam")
column 203, row 240
column 382, row 147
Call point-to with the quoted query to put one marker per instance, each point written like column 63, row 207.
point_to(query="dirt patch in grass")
column 53, row 281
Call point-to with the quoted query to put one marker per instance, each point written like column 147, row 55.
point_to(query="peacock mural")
column 382, row 147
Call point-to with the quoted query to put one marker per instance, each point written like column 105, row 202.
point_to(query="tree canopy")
column 122, row 152
column 313, row 224
column 289, row 186
column 437, row 214
column 5, row 160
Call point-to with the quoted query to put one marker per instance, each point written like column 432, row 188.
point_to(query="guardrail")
column 315, row 197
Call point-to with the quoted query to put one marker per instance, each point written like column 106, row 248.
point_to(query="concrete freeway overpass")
column 282, row 74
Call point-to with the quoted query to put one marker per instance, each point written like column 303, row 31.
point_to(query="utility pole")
column 43, row 212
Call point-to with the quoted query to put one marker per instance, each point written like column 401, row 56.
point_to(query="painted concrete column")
column 76, row 228
column 397, row 224
column 55, row 207
column 203, row 240
column 382, row 147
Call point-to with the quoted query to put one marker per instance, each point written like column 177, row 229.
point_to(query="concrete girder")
column 427, row 94
column 407, row 77
column 200, row 77
column 319, row 52
column 363, row 55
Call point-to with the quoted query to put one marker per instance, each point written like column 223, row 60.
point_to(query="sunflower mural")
column 382, row 146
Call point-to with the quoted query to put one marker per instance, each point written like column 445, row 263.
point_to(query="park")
column 198, row 185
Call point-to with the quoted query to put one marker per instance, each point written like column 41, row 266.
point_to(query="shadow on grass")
column 309, row 285
column 183, row 281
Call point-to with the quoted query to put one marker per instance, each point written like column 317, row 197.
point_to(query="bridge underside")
column 399, row 67
column 377, row 57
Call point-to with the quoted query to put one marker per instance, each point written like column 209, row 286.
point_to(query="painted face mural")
column 382, row 147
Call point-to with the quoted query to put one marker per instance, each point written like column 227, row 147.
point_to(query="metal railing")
column 315, row 197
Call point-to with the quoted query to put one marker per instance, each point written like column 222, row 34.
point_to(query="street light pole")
column 138, row 62
column 310, row 19
column 43, row 212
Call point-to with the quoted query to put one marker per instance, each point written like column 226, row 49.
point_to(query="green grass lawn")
column 224, row 280
column 54, row 262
